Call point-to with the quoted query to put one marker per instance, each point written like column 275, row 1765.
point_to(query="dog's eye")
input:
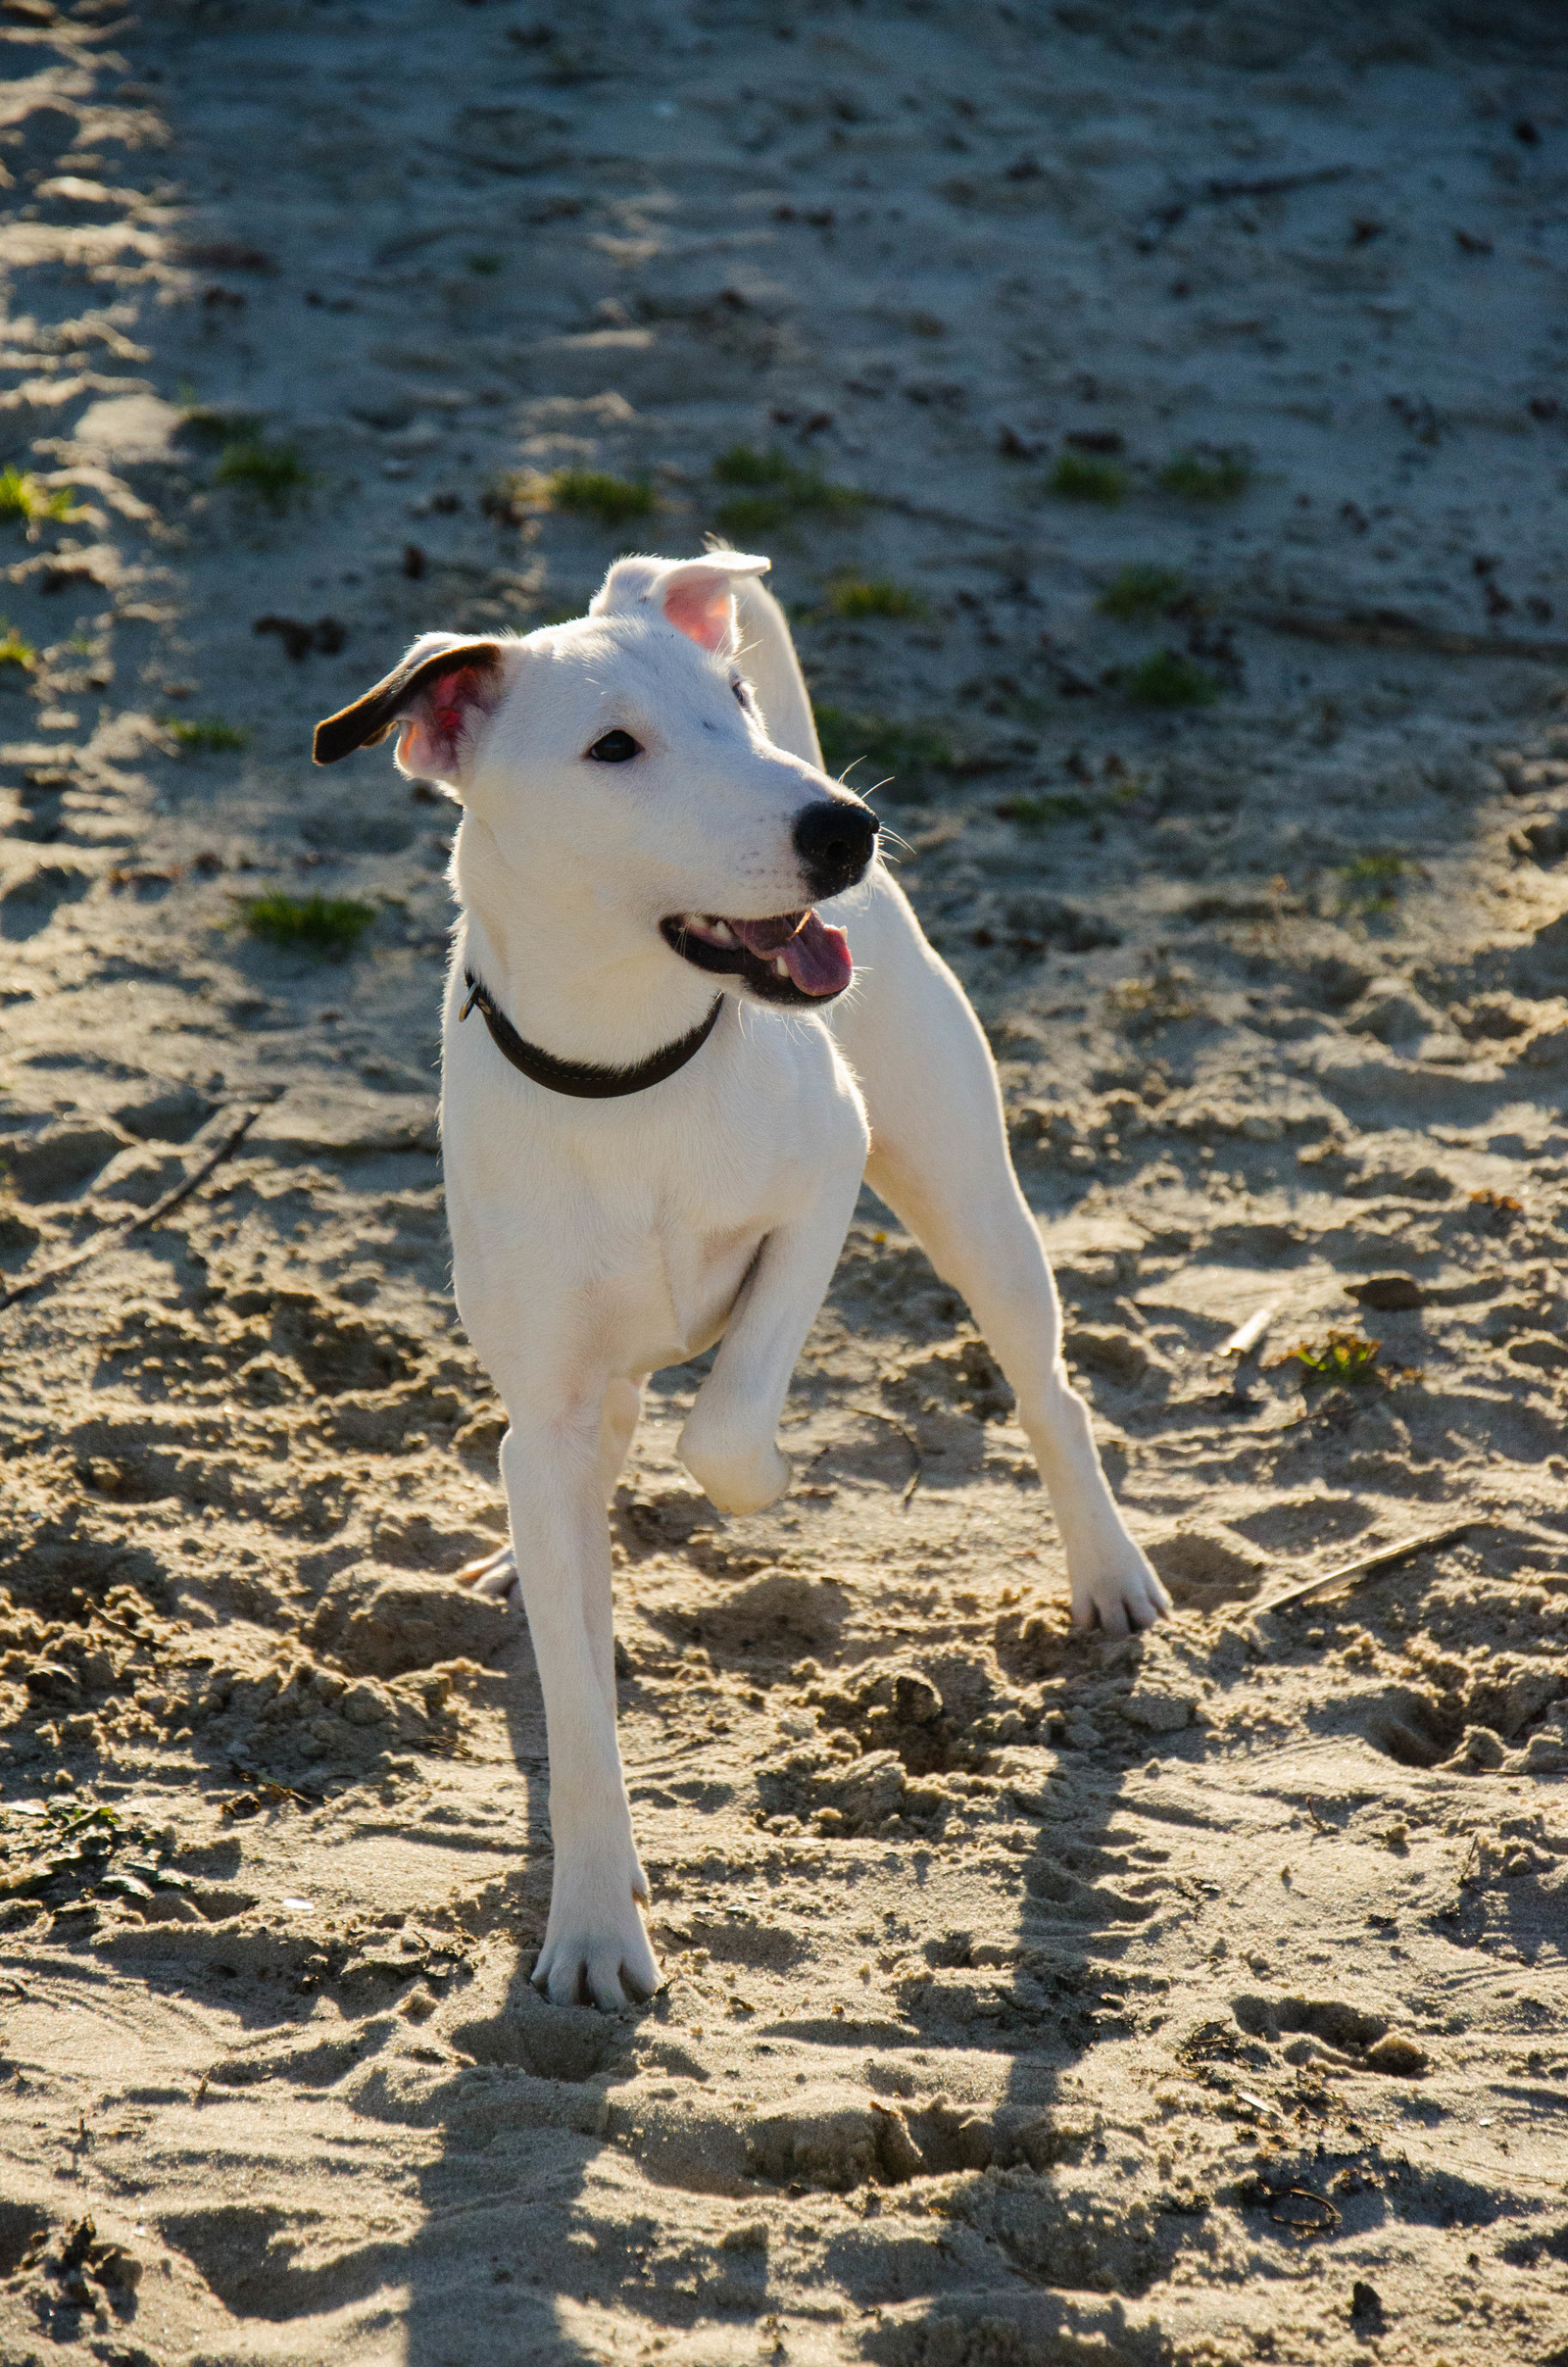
column 615, row 748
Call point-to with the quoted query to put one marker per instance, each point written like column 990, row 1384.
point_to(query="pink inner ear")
column 447, row 700
column 698, row 606
column 429, row 734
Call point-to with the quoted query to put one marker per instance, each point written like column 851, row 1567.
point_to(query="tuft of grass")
column 1053, row 806
column 320, row 925
column 1199, row 477
column 741, row 465
column 1340, row 1356
column 219, row 427
column 874, row 596
column 772, row 489
column 595, row 493
column 1167, row 678
column 269, row 472
column 486, row 266
column 1139, row 591
column 204, row 735
column 13, row 650
column 751, row 514
column 1042, row 809
column 906, row 752
column 1371, row 883
column 1077, row 480
column 22, row 499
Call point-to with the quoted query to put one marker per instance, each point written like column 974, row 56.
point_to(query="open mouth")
column 791, row 958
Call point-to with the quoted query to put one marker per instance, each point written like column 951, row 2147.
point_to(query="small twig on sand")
column 113, row 1235
column 1169, row 216
column 874, row 1415
column 1391, row 628
column 1363, row 1564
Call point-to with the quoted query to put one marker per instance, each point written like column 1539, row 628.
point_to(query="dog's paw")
column 1123, row 1594
column 597, row 1951
column 735, row 1480
column 493, row 1575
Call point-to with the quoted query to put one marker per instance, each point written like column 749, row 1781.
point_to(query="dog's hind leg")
column 495, row 1575
column 939, row 1159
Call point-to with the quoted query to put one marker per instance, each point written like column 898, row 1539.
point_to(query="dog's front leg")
column 596, row 1947
column 495, row 1575
column 729, row 1443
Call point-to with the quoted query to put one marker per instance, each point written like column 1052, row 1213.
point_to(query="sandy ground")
column 1032, row 1998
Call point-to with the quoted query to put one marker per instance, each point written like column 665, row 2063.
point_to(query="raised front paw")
column 1121, row 1592
column 735, row 1478
column 493, row 1575
column 597, row 1951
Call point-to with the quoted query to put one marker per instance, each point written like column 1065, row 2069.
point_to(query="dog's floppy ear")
column 432, row 699
column 696, row 596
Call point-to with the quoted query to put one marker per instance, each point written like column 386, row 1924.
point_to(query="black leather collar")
column 581, row 1078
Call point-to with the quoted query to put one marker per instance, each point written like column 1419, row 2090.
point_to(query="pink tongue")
column 816, row 957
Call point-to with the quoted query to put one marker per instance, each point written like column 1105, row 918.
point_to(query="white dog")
column 657, row 1123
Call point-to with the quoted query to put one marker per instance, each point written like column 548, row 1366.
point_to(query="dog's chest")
column 671, row 1293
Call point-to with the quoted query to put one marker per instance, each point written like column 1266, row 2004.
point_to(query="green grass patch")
column 273, row 473
column 204, row 735
column 741, row 465
column 1139, row 591
column 1043, row 809
column 1167, row 678
column 875, row 746
column 320, row 925
column 1207, row 477
column 1340, row 1356
column 221, row 427
column 771, row 489
column 13, row 650
column 1077, row 480
column 22, row 499
column 875, row 596
column 1050, row 806
column 1371, row 883
column 751, row 514
column 612, row 501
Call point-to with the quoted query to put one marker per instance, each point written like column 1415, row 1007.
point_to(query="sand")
column 1031, row 1997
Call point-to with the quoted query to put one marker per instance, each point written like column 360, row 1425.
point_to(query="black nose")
column 835, row 840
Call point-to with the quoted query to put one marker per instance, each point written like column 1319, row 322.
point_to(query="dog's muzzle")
column 794, row 956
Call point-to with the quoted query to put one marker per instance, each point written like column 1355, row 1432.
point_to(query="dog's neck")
column 583, row 981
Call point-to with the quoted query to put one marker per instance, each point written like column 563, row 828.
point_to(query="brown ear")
column 378, row 712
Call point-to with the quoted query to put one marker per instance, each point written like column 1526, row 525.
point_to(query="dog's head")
column 621, row 766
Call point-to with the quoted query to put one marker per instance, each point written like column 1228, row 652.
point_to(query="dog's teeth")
column 721, row 932
column 781, row 965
